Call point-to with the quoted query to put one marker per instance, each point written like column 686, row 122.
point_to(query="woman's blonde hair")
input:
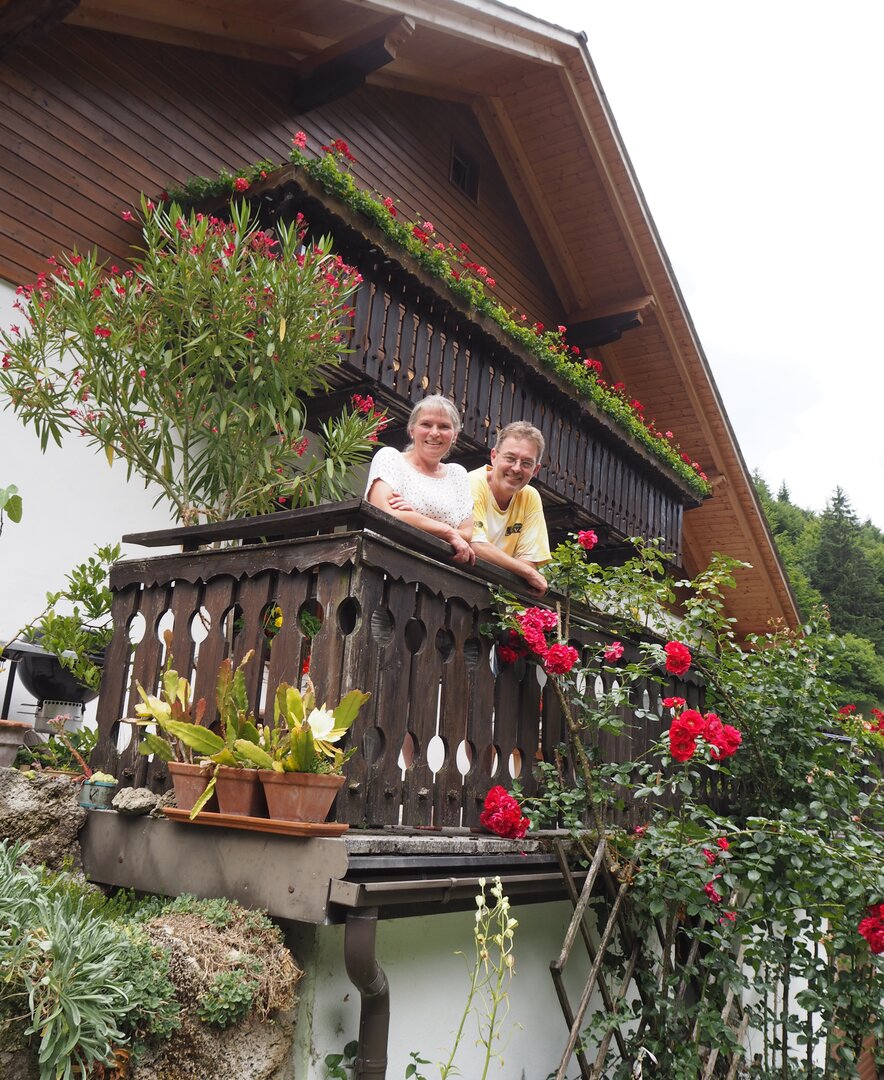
column 440, row 403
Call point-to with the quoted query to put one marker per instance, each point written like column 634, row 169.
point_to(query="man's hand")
column 536, row 581
column 463, row 552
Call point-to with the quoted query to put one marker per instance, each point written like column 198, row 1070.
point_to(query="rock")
column 166, row 799
column 46, row 812
column 18, row 1065
column 134, row 801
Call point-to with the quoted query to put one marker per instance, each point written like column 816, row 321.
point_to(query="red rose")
column 682, row 743
column 674, row 703
column 560, row 659
column 613, row 652
column 846, row 710
column 695, row 722
column 722, row 842
column 503, row 815
column 709, row 856
column 713, row 893
column 241, row 184
column 506, row 655
column 727, row 743
column 872, row 928
column 678, row 657
column 587, row 539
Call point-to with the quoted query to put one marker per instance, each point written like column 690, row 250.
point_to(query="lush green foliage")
column 81, row 976
column 83, row 983
column 193, row 367
column 75, row 625
column 758, row 891
column 228, row 998
column 834, row 559
column 465, row 279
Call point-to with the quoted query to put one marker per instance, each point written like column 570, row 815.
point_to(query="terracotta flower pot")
column 12, row 735
column 190, row 782
column 239, row 791
column 300, row 796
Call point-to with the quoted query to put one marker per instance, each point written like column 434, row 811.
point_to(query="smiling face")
column 513, row 463
column 432, row 435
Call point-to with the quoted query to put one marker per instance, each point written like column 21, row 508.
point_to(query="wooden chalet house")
column 491, row 124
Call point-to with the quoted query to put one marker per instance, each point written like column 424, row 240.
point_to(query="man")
column 509, row 529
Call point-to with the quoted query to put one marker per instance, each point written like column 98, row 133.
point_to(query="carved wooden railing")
column 398, row 620
column 412, row 337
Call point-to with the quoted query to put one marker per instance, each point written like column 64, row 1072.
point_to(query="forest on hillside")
column 836, row 562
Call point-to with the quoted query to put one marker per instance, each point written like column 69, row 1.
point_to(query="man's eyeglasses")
column 510, row 460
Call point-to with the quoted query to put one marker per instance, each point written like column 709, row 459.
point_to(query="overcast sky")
column 755, row 132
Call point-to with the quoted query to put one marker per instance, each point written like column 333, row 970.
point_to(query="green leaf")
column 156, row 745
column 254, row 753
column 204, row 798
column 198, row 738
column 348, row 710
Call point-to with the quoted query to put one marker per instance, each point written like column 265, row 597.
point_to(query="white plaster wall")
column 73, row 501
column 428, row 991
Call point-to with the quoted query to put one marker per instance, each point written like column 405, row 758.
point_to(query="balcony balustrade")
column 398, row 619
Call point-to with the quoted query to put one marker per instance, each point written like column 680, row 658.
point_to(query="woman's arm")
column 380, row 495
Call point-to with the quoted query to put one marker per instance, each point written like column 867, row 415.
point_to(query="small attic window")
column 464, row 171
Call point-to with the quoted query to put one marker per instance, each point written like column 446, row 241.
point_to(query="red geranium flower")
column 503, row 815
column 846, row 710
column 241, row 184
column 678, row 657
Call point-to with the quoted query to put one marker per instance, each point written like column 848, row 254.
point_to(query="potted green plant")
column 175, row 705
column 300, row 765
column 204, row 764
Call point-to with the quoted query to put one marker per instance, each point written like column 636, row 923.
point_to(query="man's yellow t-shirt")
column 519, row 531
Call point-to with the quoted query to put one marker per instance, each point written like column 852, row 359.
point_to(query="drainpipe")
column 369, row 979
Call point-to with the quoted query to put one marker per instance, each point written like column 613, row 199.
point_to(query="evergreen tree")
column 845, row 577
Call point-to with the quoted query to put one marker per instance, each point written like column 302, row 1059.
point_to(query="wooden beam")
column 487, row 23
column 343, row 66
column 634, row 303
column 23, row 20
column 541, row 221
column 197, row 28
column 200, row 19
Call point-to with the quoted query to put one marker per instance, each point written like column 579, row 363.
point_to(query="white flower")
column 322, row 722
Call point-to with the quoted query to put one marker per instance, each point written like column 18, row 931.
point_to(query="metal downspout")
column 369, row 979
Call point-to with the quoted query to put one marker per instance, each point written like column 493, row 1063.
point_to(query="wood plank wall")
column 88, row 120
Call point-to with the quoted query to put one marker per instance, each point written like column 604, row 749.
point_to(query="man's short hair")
column 521, row 429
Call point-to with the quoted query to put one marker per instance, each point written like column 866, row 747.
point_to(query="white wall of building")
column 73, row 501
column 429, row 983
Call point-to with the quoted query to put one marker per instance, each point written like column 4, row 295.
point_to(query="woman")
column 417, row 486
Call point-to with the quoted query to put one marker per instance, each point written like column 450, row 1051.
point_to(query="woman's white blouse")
column 444, row 498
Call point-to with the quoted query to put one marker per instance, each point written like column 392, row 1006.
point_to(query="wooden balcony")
column 398, row 619
column 412, row 337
